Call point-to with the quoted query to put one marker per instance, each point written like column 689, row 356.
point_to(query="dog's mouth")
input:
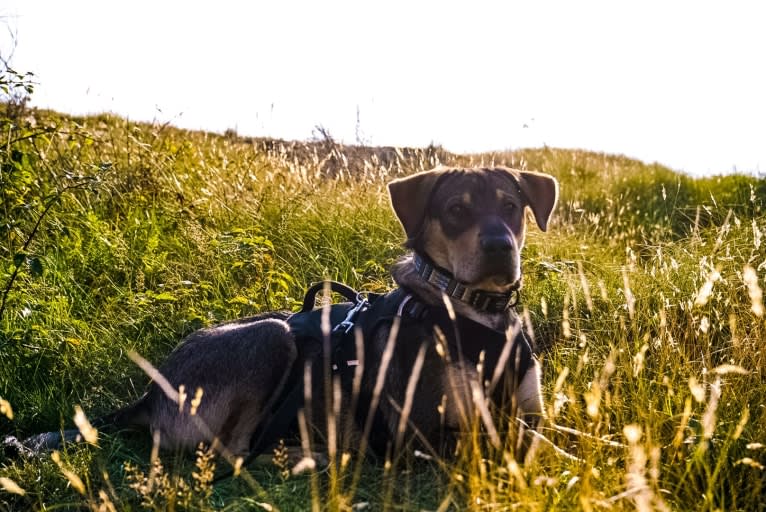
column 491, row 276
column 497, row 283
column 504, row 281
column 497, row 275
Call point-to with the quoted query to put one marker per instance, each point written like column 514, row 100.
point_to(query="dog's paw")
column 13, row 449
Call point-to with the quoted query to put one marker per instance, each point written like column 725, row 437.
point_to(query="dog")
column 446, row 342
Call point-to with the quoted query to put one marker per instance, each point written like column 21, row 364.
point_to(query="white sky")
column 678, row 82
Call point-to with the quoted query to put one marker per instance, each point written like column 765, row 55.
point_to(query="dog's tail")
column 131, row 416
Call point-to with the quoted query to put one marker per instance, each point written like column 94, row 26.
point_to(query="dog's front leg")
column 530, row 407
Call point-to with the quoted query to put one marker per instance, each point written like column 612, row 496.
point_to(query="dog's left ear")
column 409, row 197
column 542, row 192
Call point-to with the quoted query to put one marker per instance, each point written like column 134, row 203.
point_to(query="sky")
column 675, row 82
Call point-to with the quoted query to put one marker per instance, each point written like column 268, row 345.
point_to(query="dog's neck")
column 430, row 285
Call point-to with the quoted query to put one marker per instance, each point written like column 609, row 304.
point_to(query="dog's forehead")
column 477, row 185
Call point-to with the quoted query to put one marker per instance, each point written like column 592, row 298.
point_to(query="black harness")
column 306, row 327
column 466, row 339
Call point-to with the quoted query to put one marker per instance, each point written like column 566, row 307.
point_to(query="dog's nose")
column 497, row 244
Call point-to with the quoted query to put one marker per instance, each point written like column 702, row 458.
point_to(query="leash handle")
column 311, row 294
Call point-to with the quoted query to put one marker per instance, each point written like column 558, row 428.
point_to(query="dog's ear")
column 409, row 197
column 542, row 192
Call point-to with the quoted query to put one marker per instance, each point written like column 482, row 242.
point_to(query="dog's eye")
column 457, row 210
column 509, row 207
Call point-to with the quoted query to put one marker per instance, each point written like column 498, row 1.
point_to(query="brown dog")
column 455, row 339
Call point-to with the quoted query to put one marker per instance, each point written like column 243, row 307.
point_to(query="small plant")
column 281, row 459
column 15, row 87
column 159, row 490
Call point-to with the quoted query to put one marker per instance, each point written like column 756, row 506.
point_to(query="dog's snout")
column 495, row 238
column 496, row 244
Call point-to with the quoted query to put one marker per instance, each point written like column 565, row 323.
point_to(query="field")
column 645, row 297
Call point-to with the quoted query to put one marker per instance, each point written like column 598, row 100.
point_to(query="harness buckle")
column 348, row 323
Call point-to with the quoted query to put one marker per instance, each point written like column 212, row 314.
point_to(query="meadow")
column 644, row 295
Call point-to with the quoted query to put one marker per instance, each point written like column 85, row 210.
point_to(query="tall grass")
column 644, row 297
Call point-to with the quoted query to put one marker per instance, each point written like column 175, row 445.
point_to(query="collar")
column 488, row 302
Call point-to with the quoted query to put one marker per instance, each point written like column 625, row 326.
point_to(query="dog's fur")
column 470, row 222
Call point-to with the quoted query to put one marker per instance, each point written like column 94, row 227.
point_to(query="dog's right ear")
column 409, row 197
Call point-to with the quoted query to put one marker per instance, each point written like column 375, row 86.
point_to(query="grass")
column 644, row 296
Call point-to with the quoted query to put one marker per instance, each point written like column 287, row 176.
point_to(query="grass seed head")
column 6, row 409
column 753, row 290
column 89, row 433
column 10, row 486
column 196, row 401
column 74, row 480
column 706, row 290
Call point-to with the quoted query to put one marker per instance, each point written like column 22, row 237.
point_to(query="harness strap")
column 311, row 294
column 305, row 325
column 468, row 336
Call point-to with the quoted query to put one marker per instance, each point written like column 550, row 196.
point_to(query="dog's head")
column 471, row 222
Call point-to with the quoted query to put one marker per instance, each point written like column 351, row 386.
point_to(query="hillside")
column 644, row 296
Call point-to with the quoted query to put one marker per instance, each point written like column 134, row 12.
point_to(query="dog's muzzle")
column 496, row 246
